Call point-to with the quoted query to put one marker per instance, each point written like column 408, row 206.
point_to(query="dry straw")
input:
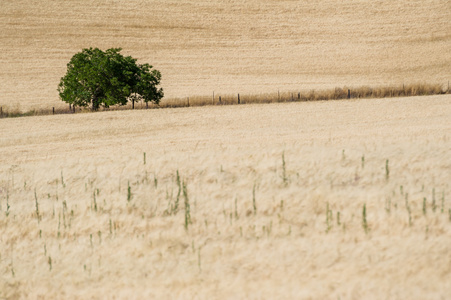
column 312, row 95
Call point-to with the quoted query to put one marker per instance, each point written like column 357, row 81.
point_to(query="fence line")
column 312, row 95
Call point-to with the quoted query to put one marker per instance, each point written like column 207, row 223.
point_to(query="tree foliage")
column 96, row 78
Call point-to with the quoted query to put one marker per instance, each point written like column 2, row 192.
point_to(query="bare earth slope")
column 273, row 196
column 227, row 46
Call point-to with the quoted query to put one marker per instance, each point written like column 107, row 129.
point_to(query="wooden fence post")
column 349, row 94
column 238, row 98
column 299, row 96
column 188, row 101
column 147, row 104
column 1, row 112
column 53, row 110
column 133, row 104
column 219, row 99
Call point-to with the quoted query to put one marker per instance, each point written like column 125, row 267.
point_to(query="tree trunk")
column 95, row 100
column 94, row 103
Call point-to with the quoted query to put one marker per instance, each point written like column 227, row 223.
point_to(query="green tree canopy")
column 95, row 78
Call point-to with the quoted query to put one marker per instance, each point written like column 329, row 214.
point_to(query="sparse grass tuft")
column 364, row 221
column 7, row 204
column 187, row 207
column 387, row 170
column 62, row 180
column 129, row 192
column 95, row 201
column 179, row 185
column 424, row 206
column 50, row 263
column 284, row 171
column 329, row 217
column 37, row 206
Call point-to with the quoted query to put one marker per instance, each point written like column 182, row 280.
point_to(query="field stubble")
column 229, row 47
column 314, row 199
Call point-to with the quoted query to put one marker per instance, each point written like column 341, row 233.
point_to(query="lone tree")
column 108, row 78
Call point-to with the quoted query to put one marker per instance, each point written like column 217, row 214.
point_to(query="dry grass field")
column 345, row 199
column 228, row 47
column 251, row 202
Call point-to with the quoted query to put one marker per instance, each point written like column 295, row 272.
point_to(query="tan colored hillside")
column 307, row 200
column 227, row 46
column 276, row 194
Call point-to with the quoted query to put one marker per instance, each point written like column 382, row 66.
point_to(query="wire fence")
column 238, row 99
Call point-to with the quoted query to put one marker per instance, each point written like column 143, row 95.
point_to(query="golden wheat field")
column 227, row 47
column 309, row 200
column 330, row 199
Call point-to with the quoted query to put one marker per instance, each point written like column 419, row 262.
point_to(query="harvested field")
column 228, row 47
column 323, row 200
